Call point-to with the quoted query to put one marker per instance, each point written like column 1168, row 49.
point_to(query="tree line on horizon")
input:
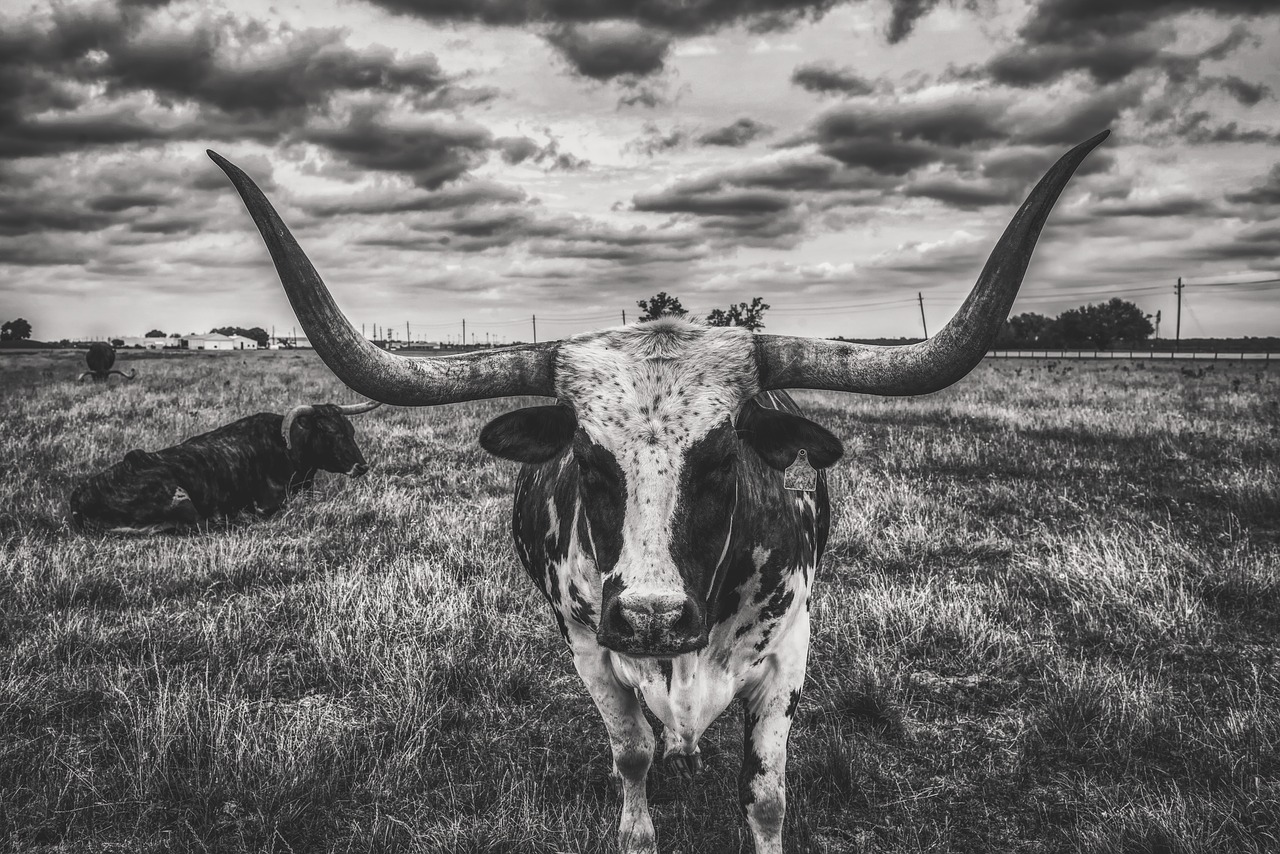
column 1101, row 325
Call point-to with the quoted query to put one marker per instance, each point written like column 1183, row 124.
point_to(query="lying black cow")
column 252, row 465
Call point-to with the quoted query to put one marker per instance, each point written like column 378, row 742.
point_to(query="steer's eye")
column 722, row 468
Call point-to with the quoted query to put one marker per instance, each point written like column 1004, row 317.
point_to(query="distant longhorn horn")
column 370, row 370
column 133, row 372
column 80, row 379
column 286, row 426
column 358, row 408
column 934, row 364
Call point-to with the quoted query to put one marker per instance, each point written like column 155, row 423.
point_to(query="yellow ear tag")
column 801, row 476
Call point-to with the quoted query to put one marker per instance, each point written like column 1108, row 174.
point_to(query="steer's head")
column 659, row 424
column 321, row 437
column 656, row 417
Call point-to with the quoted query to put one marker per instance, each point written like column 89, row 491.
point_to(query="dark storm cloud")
column 1196, row 129
column 740, row 133
column 1111, row 41
column 604, row 57
column 769, row 202
column 714, row 202
column 1105, row 59
column 1243, row 91
column 635, row 247
column 546, row 236
column 894, row 139
column 654, row 141
column 1072, row 123
column 515, row 150
column 460, row 195
column 1266, row 192
column 675, row 17
column 826, row 78
column 21, row 136
column 115, row 202
column 108, row 64
column 430, row 152
column 608, row 50
column 1180, row 207
column 42, row 253
column 966, row 195
column 140, row 200
column 1058, row 20
column 1260, row 245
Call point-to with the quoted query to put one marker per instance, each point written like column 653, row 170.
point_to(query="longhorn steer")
column 100, row 358
column 253, row 464
column 651, row 509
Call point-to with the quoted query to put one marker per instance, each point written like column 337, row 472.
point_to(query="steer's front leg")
column 630, row 738
column 762, row 784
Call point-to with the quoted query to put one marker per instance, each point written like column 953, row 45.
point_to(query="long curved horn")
column 286, row 426
column 358, row 408
column 789, row 362
column 133, row 372
column 80, row 378
column 370, row 370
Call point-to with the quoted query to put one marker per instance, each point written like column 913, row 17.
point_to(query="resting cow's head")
column 656, row 418
column 321, row 437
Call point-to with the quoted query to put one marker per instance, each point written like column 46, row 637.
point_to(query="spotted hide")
column 246, row 466
column 658, row 479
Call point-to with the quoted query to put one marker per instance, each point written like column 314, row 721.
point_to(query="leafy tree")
column 661, row 305
column 257, row 333
column 743, row 314
column 1103, row 325
column 154, row 333
column 1072, row 328
column 1118, row 321
column 1024, row 330
column 15, row 330
column 175, row 335
column 117, row 342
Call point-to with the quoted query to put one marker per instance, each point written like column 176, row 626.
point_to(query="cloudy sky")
column 495, row 159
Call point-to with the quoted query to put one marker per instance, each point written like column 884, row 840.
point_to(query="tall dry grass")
column 1048, row 621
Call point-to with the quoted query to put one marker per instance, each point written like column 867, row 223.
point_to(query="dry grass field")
column 1049, row 620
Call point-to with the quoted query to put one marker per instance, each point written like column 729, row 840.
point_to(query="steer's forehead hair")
column 660, row 384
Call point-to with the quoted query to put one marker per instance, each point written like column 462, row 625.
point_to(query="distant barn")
column 217, row 341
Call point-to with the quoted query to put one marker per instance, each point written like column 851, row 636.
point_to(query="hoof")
column 685, row 764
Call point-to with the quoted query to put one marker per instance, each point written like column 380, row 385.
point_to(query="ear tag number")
column 800, row 476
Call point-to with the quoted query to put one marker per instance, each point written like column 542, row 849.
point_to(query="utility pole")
column 535, row 329
column 920, row 297
column 624, row 317
column 1177, row 341
column 1157, row 325
column 464, row 332
column 406, row 333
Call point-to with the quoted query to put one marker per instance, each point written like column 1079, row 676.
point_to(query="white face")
column 646, row 399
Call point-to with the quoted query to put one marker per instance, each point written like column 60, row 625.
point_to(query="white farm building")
column 217, row 341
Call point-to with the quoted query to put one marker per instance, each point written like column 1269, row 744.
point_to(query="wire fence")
column 1153, row 355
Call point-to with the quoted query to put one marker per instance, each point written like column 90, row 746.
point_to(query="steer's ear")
column 778, row 436
column 531, row 435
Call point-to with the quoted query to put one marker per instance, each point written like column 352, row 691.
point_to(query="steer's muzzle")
column 357, row 470
column 652, row 624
